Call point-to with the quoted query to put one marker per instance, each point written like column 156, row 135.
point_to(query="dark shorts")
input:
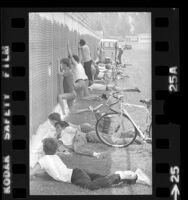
column 88, row 71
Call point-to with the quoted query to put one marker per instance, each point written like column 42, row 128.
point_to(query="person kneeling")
column 54, row 166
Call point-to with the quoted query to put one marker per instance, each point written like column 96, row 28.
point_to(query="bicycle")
column 114, row 74
column 111, row 73
column 117, row 128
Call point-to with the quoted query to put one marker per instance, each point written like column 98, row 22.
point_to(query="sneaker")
column 142, row 177
column 129, row 175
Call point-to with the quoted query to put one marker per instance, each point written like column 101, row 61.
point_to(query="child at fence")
column 55, row 167
column 68, row 84
column 73, row 138
column 80, row 78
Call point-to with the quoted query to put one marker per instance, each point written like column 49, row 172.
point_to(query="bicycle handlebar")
column 118, row 96
column 118, row 99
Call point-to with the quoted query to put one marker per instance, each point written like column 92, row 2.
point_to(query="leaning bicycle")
column 117, row 128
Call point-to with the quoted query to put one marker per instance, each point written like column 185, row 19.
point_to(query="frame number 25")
column 174, row 178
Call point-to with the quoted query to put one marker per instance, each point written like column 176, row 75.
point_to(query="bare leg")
column 79, row 91
column 67, row 96
column 61, row 104
column 85, row 89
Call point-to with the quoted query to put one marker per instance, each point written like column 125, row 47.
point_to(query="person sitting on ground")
column 47, row 129
column 72, row 138
column 68, row 84
column 80, row 78
column 54, row 166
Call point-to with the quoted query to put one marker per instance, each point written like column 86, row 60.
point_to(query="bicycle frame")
column 114, row 75
column 125, row 112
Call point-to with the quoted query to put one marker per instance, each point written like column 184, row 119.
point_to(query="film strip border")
column 15, row 103
column 15, row 113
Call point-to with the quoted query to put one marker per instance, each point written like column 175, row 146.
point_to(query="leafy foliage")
column 121, row 24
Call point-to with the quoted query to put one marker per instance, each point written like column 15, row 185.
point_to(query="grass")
column 130, row 158
column 134, row 156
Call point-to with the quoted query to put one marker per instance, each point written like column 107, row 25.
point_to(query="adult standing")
column 79, row 75
column 120, row 53
column 84, row 51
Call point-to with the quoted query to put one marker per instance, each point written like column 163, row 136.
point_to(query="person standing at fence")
column 79, row 75
column 84, row 51
column 120, row 53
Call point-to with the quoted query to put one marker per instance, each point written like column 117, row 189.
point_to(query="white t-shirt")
column 85, row 53
column 36, row 147
column 79, row 72
column 67, row 135
column 55, row 168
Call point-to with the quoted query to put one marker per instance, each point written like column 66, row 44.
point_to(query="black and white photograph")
column 90, row 103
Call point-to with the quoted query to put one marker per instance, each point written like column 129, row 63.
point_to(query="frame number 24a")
column 174, row 178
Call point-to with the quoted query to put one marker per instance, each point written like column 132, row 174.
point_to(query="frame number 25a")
column 175, row 178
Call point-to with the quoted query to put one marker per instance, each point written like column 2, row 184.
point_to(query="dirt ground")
column 130, row 158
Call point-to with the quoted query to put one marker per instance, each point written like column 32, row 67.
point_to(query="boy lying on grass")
column 72, row 137
column 54, row 166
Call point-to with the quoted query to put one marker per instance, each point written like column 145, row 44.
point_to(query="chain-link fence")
column 48, row 35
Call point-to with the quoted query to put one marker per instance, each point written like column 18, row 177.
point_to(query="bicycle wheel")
column 116, row 130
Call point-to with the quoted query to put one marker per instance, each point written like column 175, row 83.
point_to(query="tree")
column 142, row 22
column 118, row 23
